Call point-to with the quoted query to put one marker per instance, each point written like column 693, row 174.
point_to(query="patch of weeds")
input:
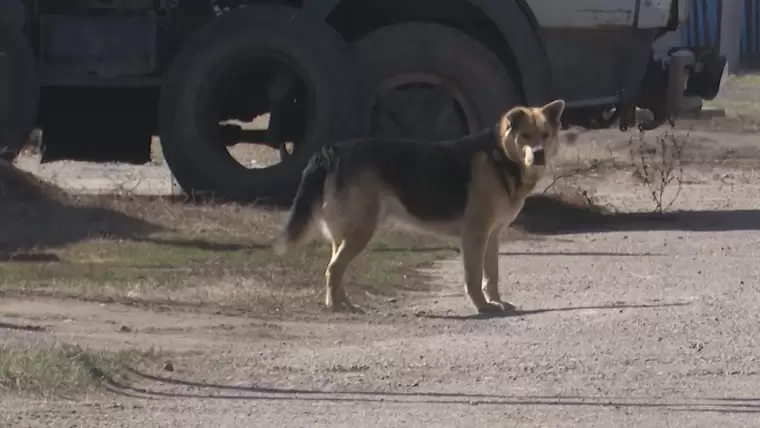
column 131, row 248
column 63, row 370
column 243, row 276
column 217, row 256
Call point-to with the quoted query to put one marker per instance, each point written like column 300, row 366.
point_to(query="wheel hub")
column 421, row 107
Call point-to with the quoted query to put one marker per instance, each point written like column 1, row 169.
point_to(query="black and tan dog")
column 470, row 188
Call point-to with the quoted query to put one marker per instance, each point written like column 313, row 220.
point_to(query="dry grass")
column 63, row 370
column 158, row 251
column 737, row 109
column 739, row 99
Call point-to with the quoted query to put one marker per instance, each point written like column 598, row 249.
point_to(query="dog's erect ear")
column 515, row 116
column 553, row 111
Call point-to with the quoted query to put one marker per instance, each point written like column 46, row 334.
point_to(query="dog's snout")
column 539, row 156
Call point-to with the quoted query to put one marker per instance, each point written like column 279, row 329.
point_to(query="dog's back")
column 419, row 183
column 428, row 179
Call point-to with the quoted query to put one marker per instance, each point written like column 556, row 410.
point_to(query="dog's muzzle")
column 539, row 156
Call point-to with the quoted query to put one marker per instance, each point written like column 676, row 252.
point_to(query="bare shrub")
column 564, row 186
column 587, row 168
column 658, row 165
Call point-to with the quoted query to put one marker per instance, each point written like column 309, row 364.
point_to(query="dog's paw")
column 345, row 307
column 495, row 307
column 505, row 306
column 353, row 309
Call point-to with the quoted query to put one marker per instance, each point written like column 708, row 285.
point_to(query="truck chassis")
column 101, row 77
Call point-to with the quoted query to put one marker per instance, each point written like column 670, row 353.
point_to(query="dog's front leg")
column 474, row 240
column 491, row 272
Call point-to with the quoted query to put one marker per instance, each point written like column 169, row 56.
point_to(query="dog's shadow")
column 550, row 215
column 521, row 313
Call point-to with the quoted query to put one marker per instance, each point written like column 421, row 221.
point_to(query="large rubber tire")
column 462, row 62
column 19, row 90
column 314, row 48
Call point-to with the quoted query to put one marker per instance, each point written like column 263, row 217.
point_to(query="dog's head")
column 530, row 135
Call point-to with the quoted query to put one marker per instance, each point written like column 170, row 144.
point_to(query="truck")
column 101, row 78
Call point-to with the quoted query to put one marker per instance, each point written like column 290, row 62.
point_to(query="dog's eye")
column 525, row 137
column 546, row 135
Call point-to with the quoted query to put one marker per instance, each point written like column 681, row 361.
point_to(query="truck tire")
column 19, row 90
column 450, row 65
column 201, row 165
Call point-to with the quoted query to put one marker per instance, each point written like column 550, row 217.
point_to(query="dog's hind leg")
column 491, row 271
column 349, row 244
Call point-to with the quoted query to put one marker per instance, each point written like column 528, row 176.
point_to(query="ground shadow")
column 29, row 257
column 521, row 313
column 547, row 215
column 410, row 249
column 201, row 244
column 37, row 216
column 23, row 327
column 237, row 392
column 579, row 253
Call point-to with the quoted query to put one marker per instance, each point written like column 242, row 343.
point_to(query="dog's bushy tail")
column 308, row 197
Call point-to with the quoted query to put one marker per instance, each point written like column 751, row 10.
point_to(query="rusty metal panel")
column 585, row 13
column 603, row 13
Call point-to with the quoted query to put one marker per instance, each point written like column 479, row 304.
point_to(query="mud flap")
column 19, row 90
column 5, row 103
column 709, row 71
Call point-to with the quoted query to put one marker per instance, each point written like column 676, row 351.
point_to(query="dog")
column 470, row 188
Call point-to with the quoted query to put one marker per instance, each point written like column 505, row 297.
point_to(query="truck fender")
column 517, row 24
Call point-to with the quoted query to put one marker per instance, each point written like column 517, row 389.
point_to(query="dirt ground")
column 624, row 320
